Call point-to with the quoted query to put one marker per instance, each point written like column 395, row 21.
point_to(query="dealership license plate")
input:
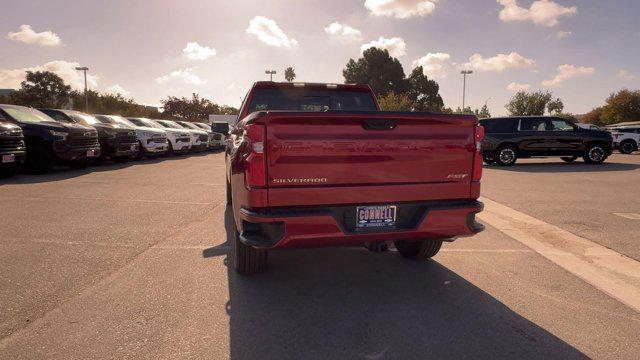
column 376, row 216
column 91, row 153
column 8, row 158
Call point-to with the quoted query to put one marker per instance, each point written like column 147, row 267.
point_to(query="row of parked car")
column 37, row 139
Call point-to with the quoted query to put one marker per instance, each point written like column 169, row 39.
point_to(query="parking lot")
column 131, row 261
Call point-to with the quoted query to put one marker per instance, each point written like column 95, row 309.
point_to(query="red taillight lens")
column 477, row 157
column 255, row 174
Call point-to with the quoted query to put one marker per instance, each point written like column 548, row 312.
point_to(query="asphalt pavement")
column 131, row 261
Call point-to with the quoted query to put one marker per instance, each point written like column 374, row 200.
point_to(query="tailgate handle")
column 379, row 124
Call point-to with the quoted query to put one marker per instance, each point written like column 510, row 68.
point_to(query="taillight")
column 477, row 157
column 255, row 174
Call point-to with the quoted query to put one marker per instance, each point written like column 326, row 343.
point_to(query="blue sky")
column 581, row 50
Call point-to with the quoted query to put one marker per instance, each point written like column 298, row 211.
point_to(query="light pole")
column 464, row 85
column 86, row 98
column 270, row 73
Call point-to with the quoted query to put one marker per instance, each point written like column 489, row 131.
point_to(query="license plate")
column 91, row 153
column 376, row 216
column 8, row 158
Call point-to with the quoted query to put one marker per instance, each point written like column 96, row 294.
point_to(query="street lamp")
column 270, row 73
column 464, row 85
column 86, row 99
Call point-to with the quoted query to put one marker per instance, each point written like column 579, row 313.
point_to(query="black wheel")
column 39, row 160
column 418, row 249
column 140, row 154
column 169, row 149
column 248, row 260
column 506, row 155
column 228, row 193
column 569, row 159
column 594, row 154
column 627, row 147
column 488, row 159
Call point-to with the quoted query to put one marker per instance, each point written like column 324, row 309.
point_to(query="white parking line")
column 632, row 216
column 611, row 272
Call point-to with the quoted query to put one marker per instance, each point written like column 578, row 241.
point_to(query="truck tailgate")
column 338, row 158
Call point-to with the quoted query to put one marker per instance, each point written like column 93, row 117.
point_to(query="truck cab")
column 311, row 165
column 50, row 142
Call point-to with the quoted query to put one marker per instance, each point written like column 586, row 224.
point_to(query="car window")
column 25, row 114
column 532, row 124
column 56, row 115
column 560, row 125
column 137, row 122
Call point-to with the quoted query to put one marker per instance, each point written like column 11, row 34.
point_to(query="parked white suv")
column 179, row 139
column 199, row 138
column 626, row 139
column 153, row 141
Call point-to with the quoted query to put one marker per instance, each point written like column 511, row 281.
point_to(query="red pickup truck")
column 311, row 165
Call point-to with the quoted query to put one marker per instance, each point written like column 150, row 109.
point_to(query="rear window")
column 494, row 126
column 310, row 100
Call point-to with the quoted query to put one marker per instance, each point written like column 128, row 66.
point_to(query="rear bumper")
column 332, row 226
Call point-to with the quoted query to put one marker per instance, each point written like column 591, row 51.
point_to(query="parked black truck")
column 116, row 142
column 12, row 149
column 49, row 141
column 507, row 139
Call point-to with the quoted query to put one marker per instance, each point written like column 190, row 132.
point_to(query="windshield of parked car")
column 311, row 100
column 84, row 119
column 189, row 125
column 137, row 122
column 150, row 123
column 124, row 121
column 218, row 127
column 25, row 114
column 169, row 124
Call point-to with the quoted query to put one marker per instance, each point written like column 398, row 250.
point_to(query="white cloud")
column 541, row 12
column 195, row 51
column 117, row 89
column 563, row 34
column 515, row 87
column 11, row 78
column 343, row 32
column 625, row 75
column 499, row 63
column 182, row 75
column 434, row 65
column 566, row 72
column 396, row 46
column 28, row 36
column 400, row 9
column 268, row 31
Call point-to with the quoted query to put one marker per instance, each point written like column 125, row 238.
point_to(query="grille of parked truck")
column 320, row 165
column 12, row 148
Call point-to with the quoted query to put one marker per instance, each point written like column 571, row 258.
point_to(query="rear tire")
column 248, row 260
column 595, row 154
column 418, row 249
column 506, row 155
column 569, row 159
column 627, row 147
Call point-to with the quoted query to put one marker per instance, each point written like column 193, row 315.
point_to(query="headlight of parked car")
column 59, row 135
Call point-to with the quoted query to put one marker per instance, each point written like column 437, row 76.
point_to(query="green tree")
column 378, row 69
column 42, row 89
column 193, row 109
column 396, row 102
column 555, row 107
column 112, row 104
column 621, row 107
column 594, row 116
column 424, row 92
column 484, row 112
column 533, row 103
column 289, row 74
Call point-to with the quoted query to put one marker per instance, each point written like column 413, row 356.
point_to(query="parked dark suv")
column 12, row 149
column 116, row 142
column 510, row 138
column 49, row 141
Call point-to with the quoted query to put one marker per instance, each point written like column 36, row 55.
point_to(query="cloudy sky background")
column 581, row 50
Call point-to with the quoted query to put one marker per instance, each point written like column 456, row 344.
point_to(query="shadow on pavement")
column 561, row 166
column 349, row 303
